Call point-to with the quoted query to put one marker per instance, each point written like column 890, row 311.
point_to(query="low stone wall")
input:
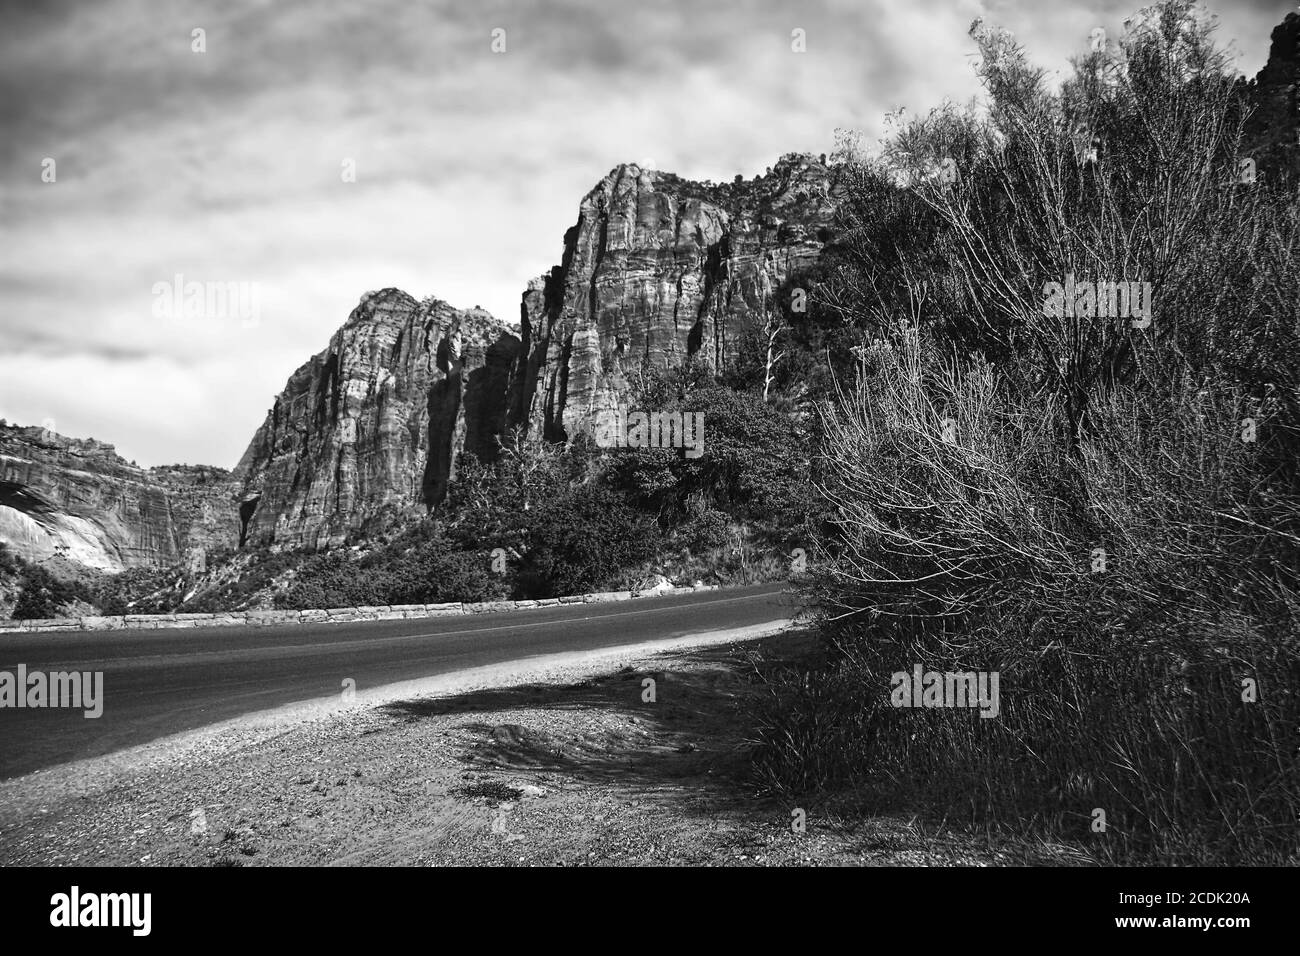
column 334, row 615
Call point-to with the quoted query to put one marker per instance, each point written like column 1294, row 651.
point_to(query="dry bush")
column 1068, row 499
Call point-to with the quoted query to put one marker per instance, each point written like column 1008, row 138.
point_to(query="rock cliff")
column 369, row 429
column 659, row 269
column 77, row 500
column 656, row 270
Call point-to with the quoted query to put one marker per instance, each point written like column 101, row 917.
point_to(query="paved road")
column 165, row 681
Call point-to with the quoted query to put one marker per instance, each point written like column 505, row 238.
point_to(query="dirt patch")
column 644, row 764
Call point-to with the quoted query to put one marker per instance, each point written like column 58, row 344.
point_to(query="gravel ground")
column 554, row 761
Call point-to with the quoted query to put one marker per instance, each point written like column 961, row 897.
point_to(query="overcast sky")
column 227, row 165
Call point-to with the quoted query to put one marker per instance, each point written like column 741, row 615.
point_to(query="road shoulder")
column 633, row 756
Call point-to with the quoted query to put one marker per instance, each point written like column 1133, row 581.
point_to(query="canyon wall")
column 77, row 500
column 657, row 270
column 368, row 430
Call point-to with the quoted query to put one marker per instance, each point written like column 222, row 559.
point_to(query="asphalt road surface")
column 161, row 682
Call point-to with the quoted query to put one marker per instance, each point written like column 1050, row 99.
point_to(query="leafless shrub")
column 1104, row 510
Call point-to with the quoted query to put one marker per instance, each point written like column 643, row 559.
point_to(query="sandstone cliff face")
column 204, row 507
column 659, row 269
column 370, row 428
column 77, row 500
column 656, row 270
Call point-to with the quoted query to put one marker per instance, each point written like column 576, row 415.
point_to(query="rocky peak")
column 658, row 270
column 368, row 430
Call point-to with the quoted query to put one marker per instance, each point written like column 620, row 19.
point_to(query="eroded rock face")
column 205, row 512
column 658, row 269
column 369, row 429
column 76, row 499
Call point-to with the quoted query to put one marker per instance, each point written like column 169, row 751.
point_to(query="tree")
column 774, row 330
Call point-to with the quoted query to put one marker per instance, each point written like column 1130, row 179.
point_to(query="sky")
column 311, row 152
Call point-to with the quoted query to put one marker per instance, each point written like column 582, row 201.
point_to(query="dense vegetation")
column 1103, row 510
column 41, row 594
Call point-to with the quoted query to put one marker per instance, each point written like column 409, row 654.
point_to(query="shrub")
column 1068, row 500
column 334, row 579
column 705, row 530
column 754, row 466
column 43, row 595
column 433, row 573
column 580, row 539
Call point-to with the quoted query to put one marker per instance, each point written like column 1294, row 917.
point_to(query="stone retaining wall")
column 336, row 615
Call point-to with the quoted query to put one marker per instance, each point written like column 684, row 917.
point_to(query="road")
column 161, row 682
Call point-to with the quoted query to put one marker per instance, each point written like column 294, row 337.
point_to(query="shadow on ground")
column 687, row 729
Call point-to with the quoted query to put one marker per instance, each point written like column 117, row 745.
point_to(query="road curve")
column 161, row 682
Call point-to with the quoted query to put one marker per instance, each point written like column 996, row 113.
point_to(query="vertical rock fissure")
column 246, row 511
